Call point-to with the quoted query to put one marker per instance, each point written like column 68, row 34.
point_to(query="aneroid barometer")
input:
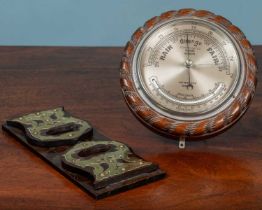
column 189, row 74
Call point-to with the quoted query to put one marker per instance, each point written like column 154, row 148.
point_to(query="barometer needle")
column 187, row 44
column 188, row 65
column 189, row 84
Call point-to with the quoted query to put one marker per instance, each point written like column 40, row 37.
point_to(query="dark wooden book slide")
column 95, row 163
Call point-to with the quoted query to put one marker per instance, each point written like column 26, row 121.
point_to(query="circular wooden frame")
column 198, row 128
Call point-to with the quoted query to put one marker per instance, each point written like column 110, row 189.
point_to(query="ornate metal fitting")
column 53, row 127
column 105, row 161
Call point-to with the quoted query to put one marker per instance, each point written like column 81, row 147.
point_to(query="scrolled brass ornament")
column 53, row 127
column 105, row 161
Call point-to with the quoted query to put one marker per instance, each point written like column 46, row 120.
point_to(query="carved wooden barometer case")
column 188, row 74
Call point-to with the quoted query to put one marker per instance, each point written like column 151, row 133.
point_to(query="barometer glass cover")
column 188, row 73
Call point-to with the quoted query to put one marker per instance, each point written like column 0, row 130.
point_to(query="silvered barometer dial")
column 188, row 73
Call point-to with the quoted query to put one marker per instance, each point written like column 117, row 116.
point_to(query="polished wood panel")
column 224, row 172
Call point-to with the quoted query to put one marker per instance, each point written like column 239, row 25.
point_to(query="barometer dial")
column 188, row 73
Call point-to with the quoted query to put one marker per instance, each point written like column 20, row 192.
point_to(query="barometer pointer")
column 188, row 65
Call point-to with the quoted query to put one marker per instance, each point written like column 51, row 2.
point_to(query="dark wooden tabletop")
column 224, row 172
